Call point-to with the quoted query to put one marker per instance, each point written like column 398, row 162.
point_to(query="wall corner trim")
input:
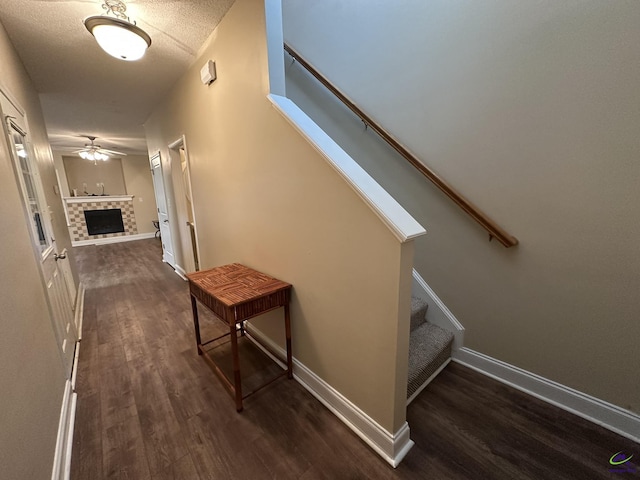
column 392, row 447
column 618, row 420
column 397, row 219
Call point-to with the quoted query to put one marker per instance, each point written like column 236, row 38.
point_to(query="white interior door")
column 64, row 267
column 182, row 198
column 163, row 215
column 41, row 232
column 61, row 309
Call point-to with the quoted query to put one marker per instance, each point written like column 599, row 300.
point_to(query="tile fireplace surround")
column 78, row 225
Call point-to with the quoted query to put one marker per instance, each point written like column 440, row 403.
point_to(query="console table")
column 235, row 293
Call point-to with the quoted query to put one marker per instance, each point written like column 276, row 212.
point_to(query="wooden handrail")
column 489, row 225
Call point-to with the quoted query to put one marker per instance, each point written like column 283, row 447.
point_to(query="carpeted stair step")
column 429, row 349
column 418, row 312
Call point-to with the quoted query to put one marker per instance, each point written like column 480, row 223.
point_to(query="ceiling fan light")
column 84, row 155
column 119, row 38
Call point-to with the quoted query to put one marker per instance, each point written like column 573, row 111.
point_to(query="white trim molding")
column 79, row 310
column 99, row 198
column 438, row 313
column 392, row 447
column 121, row 238
column 180, row 271
column 62, row 456
column 392, row 214
column 74, row 368
column 618, row 420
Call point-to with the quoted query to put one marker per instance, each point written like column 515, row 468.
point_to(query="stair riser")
column 415, row 383
column 418, row 312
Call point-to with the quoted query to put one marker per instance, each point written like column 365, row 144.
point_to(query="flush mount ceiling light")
column 117, row 35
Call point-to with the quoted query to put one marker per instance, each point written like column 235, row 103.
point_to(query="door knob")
column 57, row 257
column 166, row 221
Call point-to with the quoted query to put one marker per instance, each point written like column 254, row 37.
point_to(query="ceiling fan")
column 94, row 152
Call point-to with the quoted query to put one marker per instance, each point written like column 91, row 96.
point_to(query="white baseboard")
column 180, row 271
column 392, row 447
column 74, row 368
column 69, row 438
column 103, row 241
column 64, row 443
column 438, row 313
column 79, row 310
column 607, row 415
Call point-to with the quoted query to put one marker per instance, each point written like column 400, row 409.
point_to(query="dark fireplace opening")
column 100, row 222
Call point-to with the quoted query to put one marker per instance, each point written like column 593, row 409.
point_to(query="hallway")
column 150, row 408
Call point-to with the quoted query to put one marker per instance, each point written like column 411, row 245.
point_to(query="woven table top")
column 234, row 284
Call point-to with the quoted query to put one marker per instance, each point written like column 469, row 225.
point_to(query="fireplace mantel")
column 99, row 198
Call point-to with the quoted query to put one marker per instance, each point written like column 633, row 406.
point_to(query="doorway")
column 181, row 176
column 163, row 212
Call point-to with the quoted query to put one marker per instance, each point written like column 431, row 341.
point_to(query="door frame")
column 174, row 155
column 166, row 196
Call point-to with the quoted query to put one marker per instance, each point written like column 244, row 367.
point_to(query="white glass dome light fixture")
column 119, row 37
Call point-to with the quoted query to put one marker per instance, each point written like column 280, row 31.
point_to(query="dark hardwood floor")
column 150, row 408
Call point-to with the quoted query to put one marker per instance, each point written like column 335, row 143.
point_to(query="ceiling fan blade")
column 111, row 152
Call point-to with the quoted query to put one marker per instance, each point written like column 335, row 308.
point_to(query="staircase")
column 429, row 348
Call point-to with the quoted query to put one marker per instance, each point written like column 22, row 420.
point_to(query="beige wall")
column 264, row 197
column 31, row 371
column 531, row 110
column 138, row 181
column 80, row 172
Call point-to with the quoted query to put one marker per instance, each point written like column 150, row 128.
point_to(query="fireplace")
column 100, row 222
column 84, row 230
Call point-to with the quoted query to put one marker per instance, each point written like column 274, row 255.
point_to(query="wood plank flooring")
column 150, row 408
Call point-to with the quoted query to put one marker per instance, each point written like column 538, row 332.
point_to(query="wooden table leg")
column 196, row 323
column 236, row 366
column 287, row 329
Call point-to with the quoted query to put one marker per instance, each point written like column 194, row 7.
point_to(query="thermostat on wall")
column 208, row 72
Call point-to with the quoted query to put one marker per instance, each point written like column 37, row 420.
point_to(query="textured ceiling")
column 83, row 90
